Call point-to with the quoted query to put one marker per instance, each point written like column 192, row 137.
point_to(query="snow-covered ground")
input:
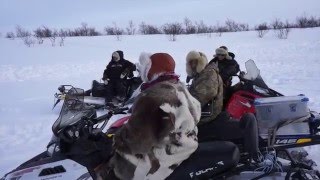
column 30, row 76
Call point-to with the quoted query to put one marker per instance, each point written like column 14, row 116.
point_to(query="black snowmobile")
column 96, row 95
column 79, row 145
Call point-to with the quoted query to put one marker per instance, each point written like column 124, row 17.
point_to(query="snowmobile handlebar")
column 118, row 110
column 84, row 128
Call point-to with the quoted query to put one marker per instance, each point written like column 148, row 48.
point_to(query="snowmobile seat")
column 208, row 161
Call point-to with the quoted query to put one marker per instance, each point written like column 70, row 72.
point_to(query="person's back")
column 207, row 85
column 162, row 131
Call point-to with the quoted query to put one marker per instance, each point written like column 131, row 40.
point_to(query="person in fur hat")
column 162, row 130
column 206, row 86
column 115, row 73
column 228, row 67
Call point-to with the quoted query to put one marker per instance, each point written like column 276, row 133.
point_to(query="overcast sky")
column 99, row 13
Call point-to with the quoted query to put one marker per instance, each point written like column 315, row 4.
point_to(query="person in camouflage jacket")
column 207, row 85
column 207, row 88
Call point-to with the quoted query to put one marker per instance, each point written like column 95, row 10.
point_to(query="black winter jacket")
column 114, row 69
column 227, row 69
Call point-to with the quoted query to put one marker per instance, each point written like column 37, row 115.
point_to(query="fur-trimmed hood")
column 152, row 66
column 200, row 57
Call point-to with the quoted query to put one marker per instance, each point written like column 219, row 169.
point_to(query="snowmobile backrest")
column 208, row 161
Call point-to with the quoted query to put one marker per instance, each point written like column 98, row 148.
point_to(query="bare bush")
column 10, row 35
column 61, row 42
column 42, row 32
column 114, row 30
column 149, row 29
column 84, row 30
column 306, row 22
column 62, row 34
column 131, row 30
column 220, row 29
column 21, row 32
column 277, row 24
column 28, row 41
column 203, row 28
column 53, row 37
column 172, row 29
column 244, row 27
column 282, row 33
column 189, row 27
column 232, row 26
column 262, row 29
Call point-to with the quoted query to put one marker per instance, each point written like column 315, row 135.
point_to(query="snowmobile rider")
column 228, row 67
column 207, row 87
column 116, row 72
column 162, row 130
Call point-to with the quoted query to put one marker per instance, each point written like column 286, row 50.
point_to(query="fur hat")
column 116, row 56
column 200, row 57
column 152, row 66
column 223, row 51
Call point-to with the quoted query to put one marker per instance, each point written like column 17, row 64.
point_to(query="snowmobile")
column 96, row 95
column 284, row 121
column 80, row 144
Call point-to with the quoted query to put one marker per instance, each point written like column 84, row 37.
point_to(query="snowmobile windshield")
column 253, row 74
column 73, row 110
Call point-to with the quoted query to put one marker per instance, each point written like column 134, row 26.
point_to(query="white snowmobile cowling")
column 64, row 169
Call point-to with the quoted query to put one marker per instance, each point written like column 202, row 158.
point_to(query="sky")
column 100, row 13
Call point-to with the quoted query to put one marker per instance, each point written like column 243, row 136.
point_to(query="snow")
column 30, row 76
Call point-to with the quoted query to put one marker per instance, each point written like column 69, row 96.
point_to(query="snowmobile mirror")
column 252, row 71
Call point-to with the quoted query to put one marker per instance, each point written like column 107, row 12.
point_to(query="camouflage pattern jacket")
column 207, row 88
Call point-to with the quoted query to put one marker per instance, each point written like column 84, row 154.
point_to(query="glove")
column 106, row 82
column 188, row 79
column 124, row 73
column 242, row 73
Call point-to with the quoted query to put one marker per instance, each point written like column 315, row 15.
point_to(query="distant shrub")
column 21, row 32
column 172, row 29
column 10, row 35
column 189, row 27
column 307, row 22
column 84, row 30
column 114, row 30
column 262, row 29
column 149, row 29
column 131, row 30
column 203, row 28
column 28, row 40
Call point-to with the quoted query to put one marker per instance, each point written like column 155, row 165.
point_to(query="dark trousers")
column 115, row 88
column 228, row 129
